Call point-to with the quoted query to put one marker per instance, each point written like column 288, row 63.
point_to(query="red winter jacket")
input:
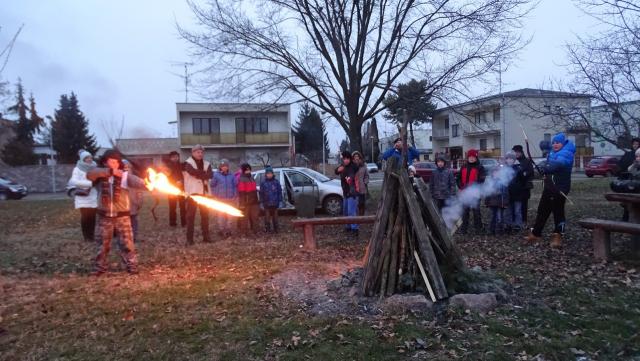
column 469, row 174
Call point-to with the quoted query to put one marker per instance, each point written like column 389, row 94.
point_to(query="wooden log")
column 301, row 222
column 424, row 276
column 601, row 244
column 396, row 237
column 309, row 237
column 424, row 243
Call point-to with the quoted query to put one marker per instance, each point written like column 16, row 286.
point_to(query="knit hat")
column 517, row 148
column 83, row 154
column 197, row 147
column 472, row 153
column 356, row 153
column 441, row 158
column 412, row 169
column 244, row 167
column 397, row 140
column 223, row 162
column 268, row 170
column 559, row 138
column 510, row 155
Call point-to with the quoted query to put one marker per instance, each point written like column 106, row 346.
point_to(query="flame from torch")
column 159, row 181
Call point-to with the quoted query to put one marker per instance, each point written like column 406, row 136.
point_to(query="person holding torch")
column 197, row 173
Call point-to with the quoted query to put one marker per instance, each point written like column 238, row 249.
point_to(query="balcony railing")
column 482, row 128
column 441, row 133
column 235, row 138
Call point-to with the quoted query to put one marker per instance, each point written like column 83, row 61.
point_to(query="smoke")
column 470, row 196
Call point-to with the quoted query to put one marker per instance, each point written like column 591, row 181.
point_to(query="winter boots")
column 556, row 240
column 532, row 238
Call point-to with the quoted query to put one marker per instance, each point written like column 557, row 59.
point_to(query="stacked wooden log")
column 410, row 246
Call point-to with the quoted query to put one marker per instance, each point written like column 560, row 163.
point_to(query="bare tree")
column 344, row 56
column 5, row 53
column 113, row 129
column 264, row 158
column 606, row 65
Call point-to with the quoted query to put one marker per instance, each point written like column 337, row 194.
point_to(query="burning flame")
column 159, row 181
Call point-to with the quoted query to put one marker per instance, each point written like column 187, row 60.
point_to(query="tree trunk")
column 355, row 136
column 412, row 139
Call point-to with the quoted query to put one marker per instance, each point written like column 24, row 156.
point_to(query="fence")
column 39, row 178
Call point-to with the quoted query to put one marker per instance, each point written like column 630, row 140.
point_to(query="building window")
column 206, row 125
column 483, row 144
column 454, row 130
column 547, row 137
column 446, row 123
column 257, row 125
column 480, row 117
column 616, row 119
column 547, row 109
column 496, row 115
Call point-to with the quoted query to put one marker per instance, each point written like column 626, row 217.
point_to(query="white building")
column 237, row 132
column 605, row 119
column 494, row 124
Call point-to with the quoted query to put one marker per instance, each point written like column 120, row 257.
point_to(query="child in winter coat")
column 347, row 172
column 518, row 193
column 225, row 188
column 248, row 199
column 86, row 196
column 361, row 180
column 443, row 185
column 270, row 197
column 471, row 173
column 497, row 203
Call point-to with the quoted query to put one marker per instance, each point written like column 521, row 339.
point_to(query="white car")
column 372, row 167
column 299, row 180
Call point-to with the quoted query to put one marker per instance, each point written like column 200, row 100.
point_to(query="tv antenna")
column 186, row 77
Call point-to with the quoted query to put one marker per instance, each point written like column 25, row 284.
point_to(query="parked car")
column 489, row 164
column 604, row 166
column 299, row 180
column 425, row 169
column 372, row 167
column 11, row 190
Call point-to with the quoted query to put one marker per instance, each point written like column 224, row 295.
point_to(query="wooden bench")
column 308, row 225
column 601, row 233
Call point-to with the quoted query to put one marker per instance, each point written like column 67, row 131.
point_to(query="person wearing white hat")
column 85, row 195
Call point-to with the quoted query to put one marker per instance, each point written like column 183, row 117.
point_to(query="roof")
column 233, row 107
column 520, row 93
column 605, row 106
column 147, row 146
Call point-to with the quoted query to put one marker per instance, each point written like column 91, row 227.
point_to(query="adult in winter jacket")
column 396, row 151
column 443, row 184
column 176, row 178
column 197, row 173
column 113, row 185
column 471, row 173
column 361, row 181
column 248, row 199
column 557, row 184
column 347, row 172
column 629, row 156
column 86, row 196
column 270, row 198
column 225, row 189
column 528, row 173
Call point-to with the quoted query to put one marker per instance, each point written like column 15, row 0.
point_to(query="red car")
column 604, row 166
column 425, row 169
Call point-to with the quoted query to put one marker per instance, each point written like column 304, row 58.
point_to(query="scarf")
column 84, row 166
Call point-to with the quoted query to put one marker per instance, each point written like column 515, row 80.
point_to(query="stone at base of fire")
column 483, row 302
column 406, row 302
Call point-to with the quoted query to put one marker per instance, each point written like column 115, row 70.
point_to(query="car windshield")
column 488, row 162
column 596, row 161
column 316, row 175
column 372, row 165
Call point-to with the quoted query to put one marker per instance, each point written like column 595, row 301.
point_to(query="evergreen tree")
column 371, row 136
column 36, row 122
column 308, row 134
column 413, row 98
column 19, row 151
column 70, row 130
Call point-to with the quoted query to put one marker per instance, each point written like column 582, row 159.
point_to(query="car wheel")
column 3, row 197
column 332, row 205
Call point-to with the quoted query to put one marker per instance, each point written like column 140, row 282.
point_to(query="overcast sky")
column 119, row 56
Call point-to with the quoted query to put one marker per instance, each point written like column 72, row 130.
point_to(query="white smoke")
column 470, row 196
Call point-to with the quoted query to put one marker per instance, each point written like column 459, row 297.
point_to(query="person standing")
column 557, row 184
column 197, row 173
column 629, row 155
column 136, row 196
column 396, row 151
column 443, row 184
column 361, row 181
column 517, row 192
column 248, row 199
column 497, row 203
column 176, row 178
column 526, row 165
column 113, row 184
column 471, row 173
column 270, row 197
column 85, row 195
column 347, row 173
column 225, row 189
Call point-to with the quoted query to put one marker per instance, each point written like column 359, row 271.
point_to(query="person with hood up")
column 114, row 207
column 225, row 189
column 248, row 199
column 396, row 151
column 443, row 183
column 270, row 198
column 471, row 173
column 85, row 195
column 556, row 187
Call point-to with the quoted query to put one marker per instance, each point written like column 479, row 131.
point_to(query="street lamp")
column 372, row 160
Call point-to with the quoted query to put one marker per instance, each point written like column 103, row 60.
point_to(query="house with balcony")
column 495, row 123
column 238, row 132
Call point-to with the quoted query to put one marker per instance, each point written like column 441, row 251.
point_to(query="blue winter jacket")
column 393, row 152
column 559, row 165
column 224, row 186
column 270, row 193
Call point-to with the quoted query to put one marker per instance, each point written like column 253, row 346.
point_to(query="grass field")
column 217, row 302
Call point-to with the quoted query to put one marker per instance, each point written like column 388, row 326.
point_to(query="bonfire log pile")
column 410, row 246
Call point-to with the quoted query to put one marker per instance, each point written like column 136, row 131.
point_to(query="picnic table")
column 603, row 228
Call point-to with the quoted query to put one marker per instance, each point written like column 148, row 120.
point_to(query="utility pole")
column 186, row 77
column 53, row 161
